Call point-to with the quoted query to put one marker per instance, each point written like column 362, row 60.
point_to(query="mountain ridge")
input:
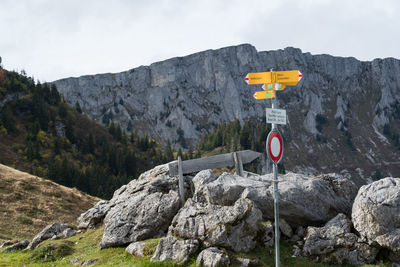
column 342, row 105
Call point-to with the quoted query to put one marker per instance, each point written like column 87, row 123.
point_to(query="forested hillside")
column 43, row 135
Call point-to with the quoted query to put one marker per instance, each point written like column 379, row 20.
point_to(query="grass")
column 85, row 247
column 31, row 203
column 81, row 247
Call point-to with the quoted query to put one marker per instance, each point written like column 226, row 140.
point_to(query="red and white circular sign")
column 275, row 146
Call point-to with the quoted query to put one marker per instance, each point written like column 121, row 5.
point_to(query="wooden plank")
column 181, row 185
column 217, row 161
column 238, row 164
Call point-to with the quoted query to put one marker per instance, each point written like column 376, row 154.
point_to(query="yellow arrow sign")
column 290, row 77
column 264, row 94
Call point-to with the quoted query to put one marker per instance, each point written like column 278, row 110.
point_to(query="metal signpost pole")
column 276, row 200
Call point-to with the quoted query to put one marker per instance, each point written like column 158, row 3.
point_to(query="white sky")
column 53, row 39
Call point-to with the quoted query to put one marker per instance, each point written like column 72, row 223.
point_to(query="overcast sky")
column 56, row 39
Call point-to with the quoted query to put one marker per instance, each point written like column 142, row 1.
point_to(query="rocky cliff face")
column 343, row 116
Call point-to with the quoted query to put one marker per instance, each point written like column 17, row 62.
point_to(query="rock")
column 245, row 262
column 376, row 213
column 303, row 200
column 141, row 210
column 300, row 231
column 285, row 228
column 268, row 234
column 171, row 249
column 73, row 262
column 296, row 251
column 8, row 243
column 47, row 233
column 69, row 232
column 94, row 216
column 156, row 171
column 17, row 246
column 212, row 257
column 234, row 227
column 335, row 244
column 89, row 262
column 136, row 248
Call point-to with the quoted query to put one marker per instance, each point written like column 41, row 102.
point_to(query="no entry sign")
column 275, row 146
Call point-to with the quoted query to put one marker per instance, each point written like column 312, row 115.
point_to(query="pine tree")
column 78, row 107
column 169, row 155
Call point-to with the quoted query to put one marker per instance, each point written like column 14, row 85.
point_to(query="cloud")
column 57, row 39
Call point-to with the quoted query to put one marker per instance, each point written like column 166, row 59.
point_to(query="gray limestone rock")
column 47, row 233
column 233, row 227
column 17, row 246
column 285, row 228
column 303, row 199
column 94, row 216
column 212, row 257
column 171, row 249
column 335, row 244
column 69, row 232
column 136, row 248
column 376, row 213
column 140, row 210
column 89, row 262
column 267, row 235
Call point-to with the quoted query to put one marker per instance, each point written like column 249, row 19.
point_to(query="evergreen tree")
column 78, row 107
column 180, row 154
column 169, row 156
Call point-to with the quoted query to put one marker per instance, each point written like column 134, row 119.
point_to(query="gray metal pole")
column 276, row 214
column 276, row 196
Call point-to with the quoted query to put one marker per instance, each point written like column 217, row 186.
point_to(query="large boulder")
column 212, row 257
column 95, row 215
column 141, row 210
column 334, row 243
column 172, row 249
column 303, row 200
column 50, row 231
column 234, row 227
column 376, row 213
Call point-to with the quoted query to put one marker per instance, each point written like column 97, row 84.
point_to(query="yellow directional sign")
column 258, row 78
column 290, row 77
column 264, row 94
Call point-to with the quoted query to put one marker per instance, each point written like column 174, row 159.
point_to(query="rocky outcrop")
column 334, row 243
column 171, row 249
column 337, row 100
column 303, row 200
column 54, row 230
column 376, row 213
column 212, row 257
column 234, row 227
column 17, row 246
column 142, row 209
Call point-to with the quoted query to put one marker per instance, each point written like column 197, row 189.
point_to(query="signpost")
column 274, row 81
column 272, row 86
column 289, row 77
column 276, row 116
column 264, row 94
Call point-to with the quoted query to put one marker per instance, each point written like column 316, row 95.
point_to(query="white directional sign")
column 276, row 116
